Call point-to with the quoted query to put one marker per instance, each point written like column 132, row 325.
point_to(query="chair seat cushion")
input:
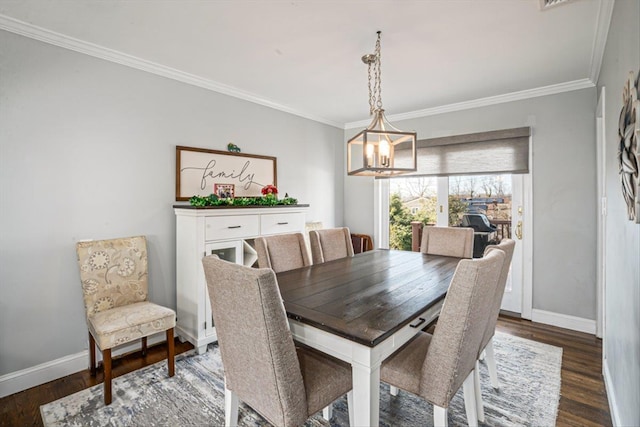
column 123, row 324
column 403, row 369
column 325, row 378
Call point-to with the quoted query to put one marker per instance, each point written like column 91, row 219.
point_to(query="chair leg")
column 470, row 400
column 230, row 408
column 144, row 346
column 393, row 390
column 440, row 418
column 478, row 392
column 106, row 363
column 327, row 412
column 491, row 364
column 350, row 407
column 171, row 365
column 92, row 355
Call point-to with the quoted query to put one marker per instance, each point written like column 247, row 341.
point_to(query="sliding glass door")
column 493, row 205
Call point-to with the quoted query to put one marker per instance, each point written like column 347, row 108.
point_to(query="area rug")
column 529, row 374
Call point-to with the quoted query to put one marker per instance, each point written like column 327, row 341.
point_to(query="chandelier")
column 380, row 149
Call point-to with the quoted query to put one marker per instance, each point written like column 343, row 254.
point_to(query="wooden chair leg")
column 92, row 355
column 491, row 364
column 470, row 400
column 440, row 418
column 478, row 392
column 327, row 412
column 144, row 346
column 106, row 362
column 171, row 353
column 350, row 405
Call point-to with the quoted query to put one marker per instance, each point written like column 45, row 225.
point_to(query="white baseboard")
column 15, row 382
column 564, row 321
column 611, row 396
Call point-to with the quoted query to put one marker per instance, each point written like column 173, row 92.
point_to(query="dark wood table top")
column 368, row 297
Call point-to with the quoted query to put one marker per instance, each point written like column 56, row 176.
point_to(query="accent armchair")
column 115, row 290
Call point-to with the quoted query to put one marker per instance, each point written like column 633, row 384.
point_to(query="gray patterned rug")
column 529, row 374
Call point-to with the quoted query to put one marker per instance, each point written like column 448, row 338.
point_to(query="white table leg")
column 366, row 395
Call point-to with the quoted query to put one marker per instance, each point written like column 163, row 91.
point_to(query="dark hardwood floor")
column 583, row 400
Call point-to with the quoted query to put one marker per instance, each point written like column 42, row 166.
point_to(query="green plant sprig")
column 213, row 200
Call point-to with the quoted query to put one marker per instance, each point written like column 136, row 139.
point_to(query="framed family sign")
column 202, row 172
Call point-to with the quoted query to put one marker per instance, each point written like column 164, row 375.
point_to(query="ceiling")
column 304, row 56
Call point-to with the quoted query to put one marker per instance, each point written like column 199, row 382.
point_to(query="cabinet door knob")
column 283, row 223
column 235, row 226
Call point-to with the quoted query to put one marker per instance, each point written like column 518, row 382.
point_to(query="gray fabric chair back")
column 507, row 246
column 454, row 347
column 330, row 244
column 282, row 252
column 256, row 346
column 447, row 241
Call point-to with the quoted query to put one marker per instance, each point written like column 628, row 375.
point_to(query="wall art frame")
column 198, row 170
column 629, row 146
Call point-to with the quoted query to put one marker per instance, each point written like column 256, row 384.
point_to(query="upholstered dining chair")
column 282, row 252
column 435, row 366
column 507, row 246
column 262, row 366
column 330, row 244
column 115, row 290
column 447, row 241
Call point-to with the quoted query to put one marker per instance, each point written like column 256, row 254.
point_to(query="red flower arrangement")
column 269, row 190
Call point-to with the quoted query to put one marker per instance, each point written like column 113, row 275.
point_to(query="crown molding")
column 51, row 37
column 484, row 102
column 603, row 21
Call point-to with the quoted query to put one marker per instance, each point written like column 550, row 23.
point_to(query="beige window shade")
column 502, row 151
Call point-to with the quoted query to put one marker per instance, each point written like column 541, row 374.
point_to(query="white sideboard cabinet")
column 228, row 233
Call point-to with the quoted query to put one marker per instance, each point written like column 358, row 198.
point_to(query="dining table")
column 362, row 309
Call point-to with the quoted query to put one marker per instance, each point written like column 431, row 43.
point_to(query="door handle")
column 519, row 230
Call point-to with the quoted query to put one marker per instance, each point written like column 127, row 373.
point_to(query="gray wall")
column 622, row 312
column 87, row 150
column 564, row 190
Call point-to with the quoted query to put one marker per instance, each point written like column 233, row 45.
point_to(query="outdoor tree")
column 420, row 187
column 456, row 208
column 488, row 185
column 469, row 186
column 399, row 224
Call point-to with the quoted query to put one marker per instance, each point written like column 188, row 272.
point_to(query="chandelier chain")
column 371, row 100
column 378, row 82
column 374, row 73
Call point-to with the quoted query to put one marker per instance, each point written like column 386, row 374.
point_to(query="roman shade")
column 494, row 152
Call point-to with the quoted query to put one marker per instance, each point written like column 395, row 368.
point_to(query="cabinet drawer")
column 231, row 227
column 282, row 223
